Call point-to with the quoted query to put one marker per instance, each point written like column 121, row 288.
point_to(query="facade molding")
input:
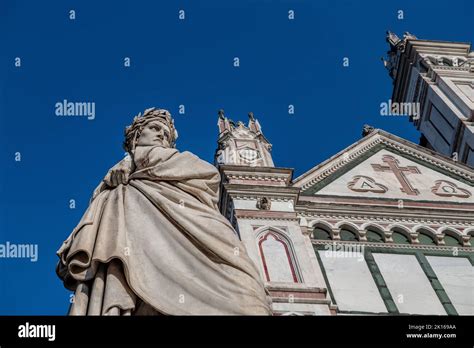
column 324, row 170
column 378, row 219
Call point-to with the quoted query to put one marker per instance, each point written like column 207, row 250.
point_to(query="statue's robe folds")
column 159, row 245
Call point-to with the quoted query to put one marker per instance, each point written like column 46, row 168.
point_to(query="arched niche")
column 278, row 258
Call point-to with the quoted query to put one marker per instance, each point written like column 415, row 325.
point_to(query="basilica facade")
column 385, row 226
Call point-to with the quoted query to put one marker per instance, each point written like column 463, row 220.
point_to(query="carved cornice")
column 386, row 219
column 454, row 62
column 259, row 177
column 380, row 137
column 351, row 155
column 265, row 215
column 256, row 197
column 254, row 192
column 440, row 163
column 256, row 176
column 266, row 218
column 453, row 68
column 396, row 246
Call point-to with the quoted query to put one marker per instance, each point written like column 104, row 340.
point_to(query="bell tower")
column 242, row 145
column 437, row 77
column 259, row 200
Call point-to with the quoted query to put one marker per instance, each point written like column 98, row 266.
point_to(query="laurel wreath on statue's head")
column 132, row 132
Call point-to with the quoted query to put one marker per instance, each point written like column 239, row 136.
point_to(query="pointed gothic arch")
column 277, row 256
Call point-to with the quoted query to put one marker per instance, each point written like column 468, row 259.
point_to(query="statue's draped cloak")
column 160, row 243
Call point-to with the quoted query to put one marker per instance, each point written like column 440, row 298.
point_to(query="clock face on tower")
column 249, row 154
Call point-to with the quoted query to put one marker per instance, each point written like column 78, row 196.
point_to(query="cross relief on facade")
column 442, row 188
column 399, row 172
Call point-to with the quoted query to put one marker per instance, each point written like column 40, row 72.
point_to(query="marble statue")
column 153, row 241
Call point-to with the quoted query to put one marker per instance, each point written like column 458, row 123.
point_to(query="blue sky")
column 174, row 62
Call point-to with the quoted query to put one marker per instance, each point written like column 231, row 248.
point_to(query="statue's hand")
column 119, row 173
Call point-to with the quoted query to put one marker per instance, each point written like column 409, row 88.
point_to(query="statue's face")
column 155, row 133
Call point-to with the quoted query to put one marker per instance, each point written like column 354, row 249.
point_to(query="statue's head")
column 154, row 127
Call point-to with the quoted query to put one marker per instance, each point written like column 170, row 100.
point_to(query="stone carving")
column 264, row 203
column 248, row 154
column 396, row 45
column 399, row 172
column 153, row 241
column 367, row 129
column 453, row 61
column 446, row 188
column 361, row 183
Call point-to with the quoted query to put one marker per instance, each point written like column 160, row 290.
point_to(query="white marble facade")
column 352, row 284
column 439, row 77
column 380, row 186
column 408, row 284
column 426, row 183
column 456, row 275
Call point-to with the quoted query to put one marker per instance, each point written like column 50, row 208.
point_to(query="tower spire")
column 242, row 145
